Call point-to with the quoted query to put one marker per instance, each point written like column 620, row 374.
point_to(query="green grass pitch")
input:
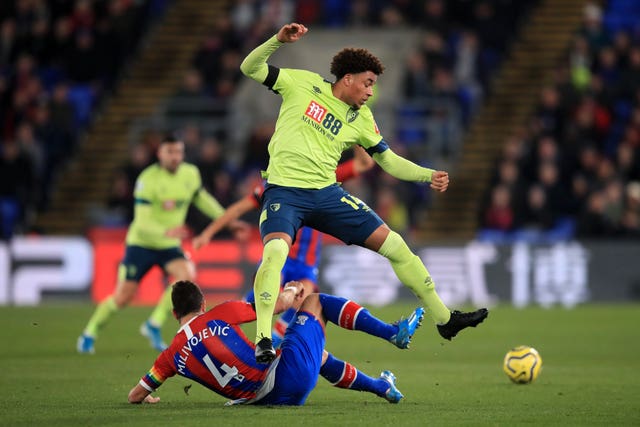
column 590, row 376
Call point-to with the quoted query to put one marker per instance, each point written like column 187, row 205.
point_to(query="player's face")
column 360, row 87
column 170, row 155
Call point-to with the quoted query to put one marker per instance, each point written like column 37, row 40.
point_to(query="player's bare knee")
column 312, row 305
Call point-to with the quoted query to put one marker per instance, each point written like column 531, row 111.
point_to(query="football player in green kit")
column 318, row 120
column 162, row 196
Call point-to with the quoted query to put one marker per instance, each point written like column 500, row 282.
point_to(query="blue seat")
column 82, row 98
column 10, row 211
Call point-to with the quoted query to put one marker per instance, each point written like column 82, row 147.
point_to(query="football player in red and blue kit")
column 211, row 349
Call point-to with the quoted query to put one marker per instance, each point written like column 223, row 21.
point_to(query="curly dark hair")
column 352, row 61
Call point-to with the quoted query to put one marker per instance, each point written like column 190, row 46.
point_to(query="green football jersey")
column 161, row 203
column 313, row 129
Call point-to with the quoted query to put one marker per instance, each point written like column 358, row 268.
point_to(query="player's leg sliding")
column 151, row 328
column 412, row 272
column 266, row 288
column 344, row 375
column 101, row 315
column 350, row 315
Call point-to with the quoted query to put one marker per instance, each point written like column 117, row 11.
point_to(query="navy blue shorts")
column 331, row 210
column 299, row 366
column 138, row 261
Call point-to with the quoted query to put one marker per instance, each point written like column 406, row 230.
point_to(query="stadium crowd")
column 574, row 168
column 58, row 59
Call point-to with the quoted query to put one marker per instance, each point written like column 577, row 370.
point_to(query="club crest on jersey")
column 352, row 115
column 315, row 111
column 275, row 207
column 302, row 319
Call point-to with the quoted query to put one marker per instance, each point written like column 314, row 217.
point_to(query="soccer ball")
column 522, row 364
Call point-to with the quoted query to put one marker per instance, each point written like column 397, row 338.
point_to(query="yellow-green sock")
column 163, row 309
column 267, row 285
column 101, row 315
column 412, row 272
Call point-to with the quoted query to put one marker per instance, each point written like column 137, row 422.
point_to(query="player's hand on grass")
column 290, row 33
column 440, row 181
column 151, row 399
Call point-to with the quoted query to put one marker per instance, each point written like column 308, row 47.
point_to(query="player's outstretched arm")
column 233, row 212
column 291, row 33
column 255, row 64
column 406, row 170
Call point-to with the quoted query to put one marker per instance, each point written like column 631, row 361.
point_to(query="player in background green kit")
column 163, row 193
column 318, row 120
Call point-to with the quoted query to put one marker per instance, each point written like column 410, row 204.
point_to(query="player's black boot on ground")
column 460, row 320
column 264, row 351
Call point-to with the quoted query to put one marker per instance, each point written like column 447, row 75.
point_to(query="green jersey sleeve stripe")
column 139, row 201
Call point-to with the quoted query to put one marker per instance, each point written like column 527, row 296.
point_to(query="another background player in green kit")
column 163, row 193
column 318, row 120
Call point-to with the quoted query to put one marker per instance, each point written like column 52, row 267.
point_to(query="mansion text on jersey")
column 318, row 127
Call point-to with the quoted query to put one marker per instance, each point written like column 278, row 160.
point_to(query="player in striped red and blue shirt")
column 211, row 349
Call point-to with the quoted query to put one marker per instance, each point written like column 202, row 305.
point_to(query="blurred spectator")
column 499, row 215
column 433, row 17
column 210, row 161
column 592, row 222
column 83, row 60
column 119, row 210
column 191, row 135
column 191, row 99
column 392, row 209
column 9, row 42
column 256, row 153
column 416, row 77
column 17, row 188
column 628, row 162
column 537, row 215
column 592, row 28
column 139, row 158
column 630, row 221
column 549, row 112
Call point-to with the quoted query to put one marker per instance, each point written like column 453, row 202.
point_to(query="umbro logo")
column 265, row 296
column 316, row 89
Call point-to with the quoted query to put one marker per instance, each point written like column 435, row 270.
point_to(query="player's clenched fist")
column 291, row 33
column 440, row 181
